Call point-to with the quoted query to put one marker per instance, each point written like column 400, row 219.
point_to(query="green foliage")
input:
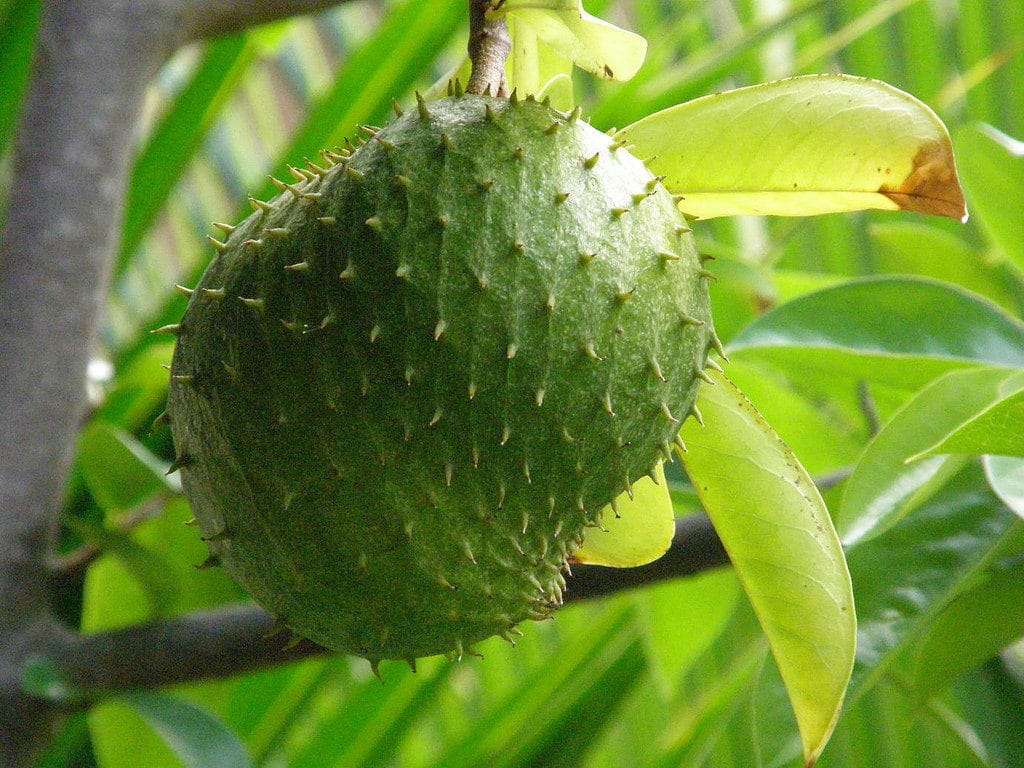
column 776, row 529
column 831, row 323
column 799, row 147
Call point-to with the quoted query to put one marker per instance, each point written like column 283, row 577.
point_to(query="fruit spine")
column 405, row 386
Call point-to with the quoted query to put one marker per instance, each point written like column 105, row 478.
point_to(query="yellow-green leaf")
column 638, row 530
column 592, row 44
column 803, row 146
column 779, row 536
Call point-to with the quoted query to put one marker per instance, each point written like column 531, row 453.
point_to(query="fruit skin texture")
column 407, row 384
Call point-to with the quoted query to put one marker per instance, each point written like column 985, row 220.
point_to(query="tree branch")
column 203, row 19
column 234, row 640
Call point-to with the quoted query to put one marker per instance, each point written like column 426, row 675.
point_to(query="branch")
column 489, row 47
column 203, row 19
column 233, row 640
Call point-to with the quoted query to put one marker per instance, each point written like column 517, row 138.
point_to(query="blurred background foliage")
column 676, row 674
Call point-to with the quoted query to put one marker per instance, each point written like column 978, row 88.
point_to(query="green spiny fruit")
column 405, row 386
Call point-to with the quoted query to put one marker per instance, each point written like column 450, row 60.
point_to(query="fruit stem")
column 489, row 47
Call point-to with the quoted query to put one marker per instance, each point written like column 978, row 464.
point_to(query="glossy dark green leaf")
column 198, row 738
column 909, row 576
column 992, row 698
column 897, row 331
column 972, row 628
column 119, row 471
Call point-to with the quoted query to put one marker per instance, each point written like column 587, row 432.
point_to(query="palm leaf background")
column 672, row 675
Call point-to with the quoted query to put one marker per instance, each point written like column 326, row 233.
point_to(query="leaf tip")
column 932, row 186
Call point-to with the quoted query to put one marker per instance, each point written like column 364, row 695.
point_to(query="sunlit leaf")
column 533, row 64
column 1005, row 476
column 685, row 617
column 381, row 68
column 803, row 146
column 636, row 531
column 996, row 427
column 780, row 539
column 198, row 738
column 375, row 718
column 898, row 331
column 591, row 43
column 885, row 485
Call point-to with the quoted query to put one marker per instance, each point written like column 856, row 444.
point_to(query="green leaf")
column 685, row 617
column 899, row 331
column 198, row 738
column 533, row 63
column 813, row 427
column 381, row 68
column 184, row 126
column 885, row 485
column 158, row 581
column 592, row 44
column 375, row 719
column 42, row 678
column 917, row 248
column 993, row 173
column 637, row 530
column 114, row 597
column 909, row 576
column 119, row 471
column 549, row 711
column 19, row 23
column 803, row 146
column 1006, row 478
column 996, row 427
column 971, row 629
column 780, row 539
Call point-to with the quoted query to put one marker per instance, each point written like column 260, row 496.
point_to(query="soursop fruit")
column 405, row 386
